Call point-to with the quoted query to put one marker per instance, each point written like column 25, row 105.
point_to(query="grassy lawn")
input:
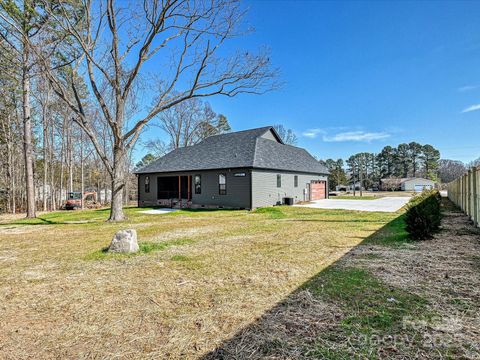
column 387, row 298
column 200, row 277
column 282, row 282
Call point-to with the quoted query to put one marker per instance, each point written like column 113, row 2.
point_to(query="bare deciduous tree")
column 449, row 170
column 288, row 136
column 190, row 122
column 183, row 36
column 21, row 24
column 157, row 147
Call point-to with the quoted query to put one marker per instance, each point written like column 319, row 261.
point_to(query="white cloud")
column 468, row 88
column 312, row 133
column 471, row 108
column 356, row 136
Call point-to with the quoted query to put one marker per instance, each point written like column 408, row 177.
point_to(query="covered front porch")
column 174, row 191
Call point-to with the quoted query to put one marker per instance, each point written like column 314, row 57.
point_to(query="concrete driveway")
column 385, row 204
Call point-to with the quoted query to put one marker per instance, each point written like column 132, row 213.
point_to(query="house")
column 245, row 169
column 407, row 184
column 342, row 187
column 417, row 184
column 350, row 187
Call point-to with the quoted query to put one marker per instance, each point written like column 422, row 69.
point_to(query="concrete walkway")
column 158, row 211
column 385, row 204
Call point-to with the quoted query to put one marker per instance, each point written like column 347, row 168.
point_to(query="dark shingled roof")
column 242, row 149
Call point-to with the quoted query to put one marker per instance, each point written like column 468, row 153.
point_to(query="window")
column 222, row 184
column 279, row 180
column 147, row 184
column 295, row 181
column 198, row 184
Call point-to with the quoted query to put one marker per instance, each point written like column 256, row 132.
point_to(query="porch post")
column 180, row 190
column 188, row 191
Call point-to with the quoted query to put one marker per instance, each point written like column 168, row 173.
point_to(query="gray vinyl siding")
column 237, row 196
column 238, row 189
column 266, row 193
column 257, row 188
column 150, row 198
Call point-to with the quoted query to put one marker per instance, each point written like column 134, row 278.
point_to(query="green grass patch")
column 271, row 212
column 371, row 308
column 145, row 247
column 181, row 258
column 67, row 217
column 190, row 263
column 392, row 234
column 87, row 216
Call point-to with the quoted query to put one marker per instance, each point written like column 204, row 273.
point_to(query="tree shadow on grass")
column 48, row 221
column 340, row 313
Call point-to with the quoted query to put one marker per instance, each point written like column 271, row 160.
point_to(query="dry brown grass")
column 385, row 299
column 443, row 270
column 180, row 302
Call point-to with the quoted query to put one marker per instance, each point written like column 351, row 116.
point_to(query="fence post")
column 475, row 196
column 465, row 193
column 469, row 194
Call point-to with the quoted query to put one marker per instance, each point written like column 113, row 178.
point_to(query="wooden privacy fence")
column 465, row 193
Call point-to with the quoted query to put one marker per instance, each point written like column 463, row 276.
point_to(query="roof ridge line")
column 245, row 130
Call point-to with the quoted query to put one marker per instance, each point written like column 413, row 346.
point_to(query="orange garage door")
column 318, row 190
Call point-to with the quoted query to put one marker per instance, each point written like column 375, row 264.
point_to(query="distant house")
column 350, row 187
column 246, row 169
column 342, row 187
column 407, row 184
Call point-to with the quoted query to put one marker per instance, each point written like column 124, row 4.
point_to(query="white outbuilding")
column 417, row 184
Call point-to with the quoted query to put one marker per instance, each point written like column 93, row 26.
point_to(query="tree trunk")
column 45, row 160
column 14, row 193
column 354, row 185
column 70, row 159
column 118, row 183
column 27, row 135
column 13, row 185
column 82, row 184
column 52, row 169
column 361, row 178
column 62, row 164
column 7, row 134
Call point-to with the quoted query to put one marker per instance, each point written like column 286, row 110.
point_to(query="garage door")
column 318, row 190
column 420, row 188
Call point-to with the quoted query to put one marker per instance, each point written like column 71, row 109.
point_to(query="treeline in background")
column 81, row 83
column 404, row 161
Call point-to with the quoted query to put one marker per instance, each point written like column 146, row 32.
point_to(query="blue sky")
column 361, row 75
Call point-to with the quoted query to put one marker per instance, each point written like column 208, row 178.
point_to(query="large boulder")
column 124, row 241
